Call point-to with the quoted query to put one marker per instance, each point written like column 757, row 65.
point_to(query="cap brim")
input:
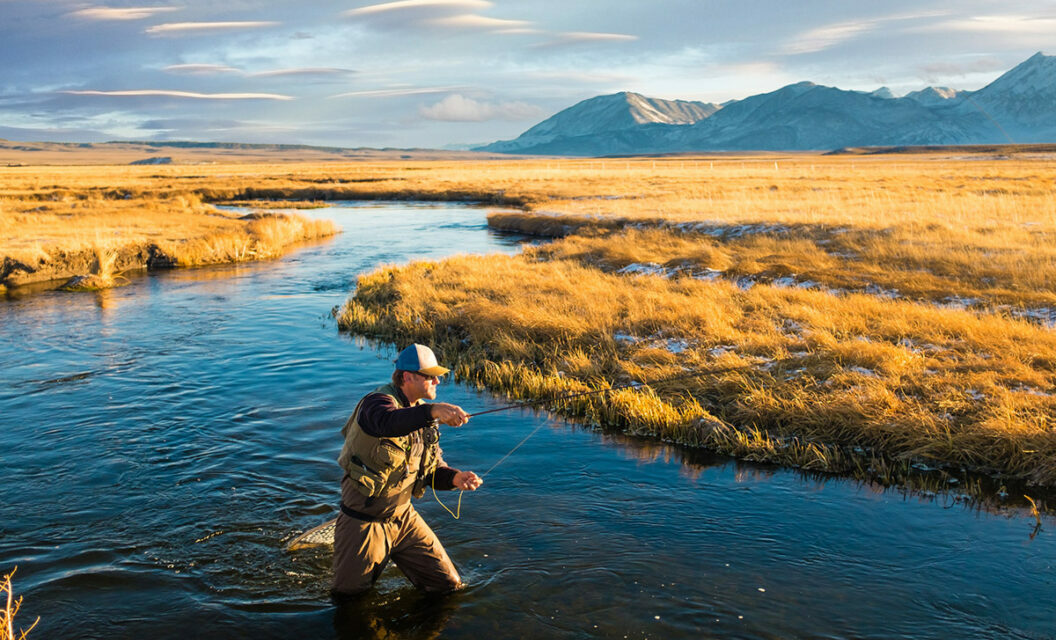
column 434, row 371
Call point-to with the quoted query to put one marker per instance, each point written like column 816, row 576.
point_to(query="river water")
column 162, row 441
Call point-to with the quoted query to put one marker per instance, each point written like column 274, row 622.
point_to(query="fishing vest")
column 383, row 467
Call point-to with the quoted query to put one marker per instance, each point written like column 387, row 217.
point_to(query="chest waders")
column 380, row 468
column 381, row 476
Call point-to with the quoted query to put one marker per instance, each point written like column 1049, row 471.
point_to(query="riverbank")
column 889, row 312
column 884, row 320
column 91, row 226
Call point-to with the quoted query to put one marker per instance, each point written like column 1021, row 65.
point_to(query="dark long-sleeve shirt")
column 380, row 417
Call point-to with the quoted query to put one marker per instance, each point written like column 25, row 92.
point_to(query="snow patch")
column 647, row 269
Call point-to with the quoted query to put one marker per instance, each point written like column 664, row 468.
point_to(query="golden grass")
column 11, row 607
column 834, row 380
column 83, row 224
column 925, row 226
column 829, row 382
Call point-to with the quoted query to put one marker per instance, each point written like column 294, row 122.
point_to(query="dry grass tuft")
column 12, row 605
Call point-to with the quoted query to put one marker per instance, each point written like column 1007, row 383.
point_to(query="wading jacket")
column 383, row 472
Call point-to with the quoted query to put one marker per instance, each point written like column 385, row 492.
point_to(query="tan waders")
column 377, row 522
column 362, row 550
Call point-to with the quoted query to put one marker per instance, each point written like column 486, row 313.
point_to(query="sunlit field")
column 866, row 314
column 879, row 316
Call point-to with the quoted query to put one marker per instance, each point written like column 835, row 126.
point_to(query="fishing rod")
column 628, row 385
column 324, row 533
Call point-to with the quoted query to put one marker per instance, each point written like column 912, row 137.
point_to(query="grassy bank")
column 94, row 232
column 877, row 319
column 974, row 230
column 824, row 382
column 882, row 311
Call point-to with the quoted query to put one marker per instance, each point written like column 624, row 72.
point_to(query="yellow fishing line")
column 457, row 513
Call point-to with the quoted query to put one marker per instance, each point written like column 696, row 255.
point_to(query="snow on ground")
column 647, row 269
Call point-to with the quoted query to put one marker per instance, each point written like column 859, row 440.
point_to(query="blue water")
column 162, row 441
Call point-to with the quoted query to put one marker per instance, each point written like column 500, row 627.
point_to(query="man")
column 391, row 454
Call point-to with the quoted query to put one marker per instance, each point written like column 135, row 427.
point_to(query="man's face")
column 417, row 386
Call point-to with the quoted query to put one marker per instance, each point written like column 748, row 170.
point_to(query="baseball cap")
column 421, row 359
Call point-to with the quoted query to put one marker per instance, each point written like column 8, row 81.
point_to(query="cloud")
column 443, row 14
column 831, row 35
column 458, row 108
column 1009, row 24
column 200, row 69
column 417, row 6
column 389, row 93
column 111, row 13
column 471, row 21
column 943, row 71
column 826, row 37
column 302, row 71
column 176, row 28
column 173, row 124
column 581, row 37
column 140, row 93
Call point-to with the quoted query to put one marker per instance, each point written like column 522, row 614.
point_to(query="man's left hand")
column 467, row 481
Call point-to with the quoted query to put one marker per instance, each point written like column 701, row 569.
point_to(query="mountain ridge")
column 1017, row 107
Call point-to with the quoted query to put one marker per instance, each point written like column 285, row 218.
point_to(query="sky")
column 443, row 73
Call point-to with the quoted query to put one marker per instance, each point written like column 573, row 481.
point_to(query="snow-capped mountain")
column 933, row 96
column 1022, row 102
column 606, row 114
column 1020, row 106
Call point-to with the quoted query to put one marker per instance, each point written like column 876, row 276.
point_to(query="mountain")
column 1020, row 106
column 933, row 96
column 607, row 114
column 1022, row 102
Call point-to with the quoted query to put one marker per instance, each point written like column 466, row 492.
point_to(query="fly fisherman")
column 391, row 454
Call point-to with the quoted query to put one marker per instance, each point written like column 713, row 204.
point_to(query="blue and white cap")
column 421, row 359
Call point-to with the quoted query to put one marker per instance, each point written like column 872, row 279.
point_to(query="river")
column 162, row 441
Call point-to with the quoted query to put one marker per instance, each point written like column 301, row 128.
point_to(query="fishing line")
column 630, row 385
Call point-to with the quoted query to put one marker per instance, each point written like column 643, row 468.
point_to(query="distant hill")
column 603, row 115
column 183, row 152
column 1019, row 107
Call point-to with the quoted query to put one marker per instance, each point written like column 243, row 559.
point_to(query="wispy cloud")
column 458, row 108
column 473, row 21
column 127, row 13
column 150, row 93
column 432, row 14
column 413, row 5
column 191, row 28
column 1011, row 24
column 831, row 35
column 302, row 71
column 826, row 37
column 580, row 37
column 204, row 69
column 388, row 93
column 200, row 69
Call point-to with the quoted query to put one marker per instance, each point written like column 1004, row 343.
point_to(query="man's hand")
column 467, row 481
column 449, row 414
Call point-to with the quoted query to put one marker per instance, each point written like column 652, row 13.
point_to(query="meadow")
column 877, row 315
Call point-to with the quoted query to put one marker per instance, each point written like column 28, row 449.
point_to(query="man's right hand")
column 449, row 414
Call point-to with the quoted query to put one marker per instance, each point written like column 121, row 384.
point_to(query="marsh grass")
column 11, row 607
column 850, row 383
column 53, row 229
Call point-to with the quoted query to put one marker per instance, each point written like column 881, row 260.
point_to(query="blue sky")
column 430, row 73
